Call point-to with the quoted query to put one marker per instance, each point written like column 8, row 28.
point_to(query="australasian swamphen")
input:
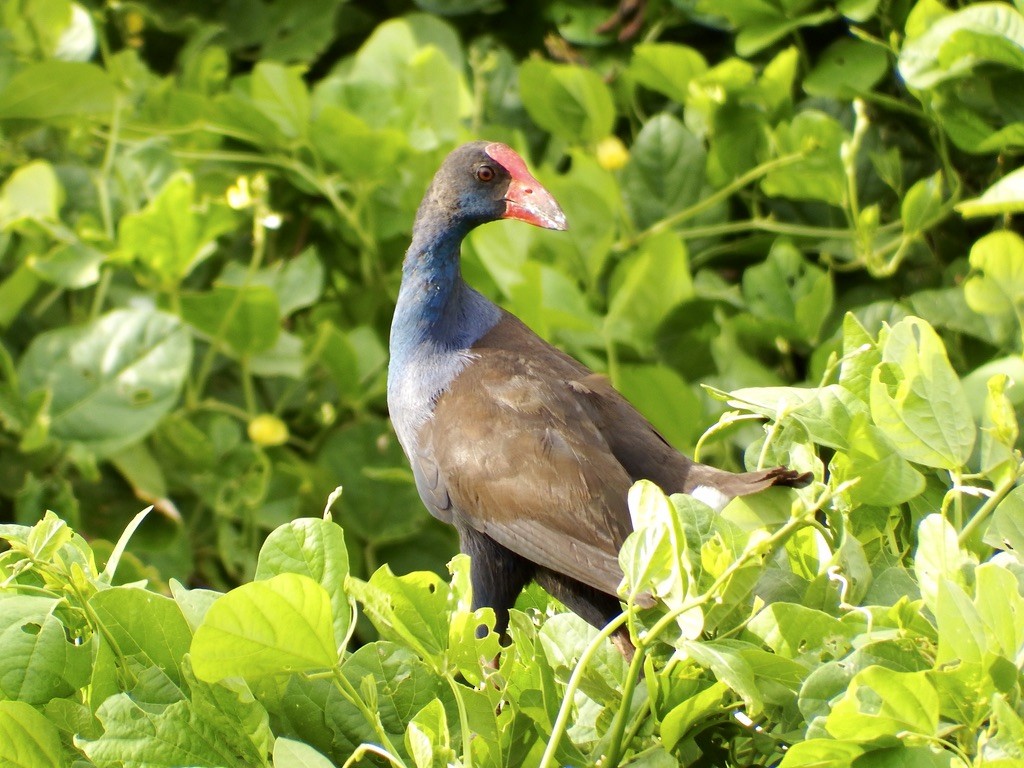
column 527, row 452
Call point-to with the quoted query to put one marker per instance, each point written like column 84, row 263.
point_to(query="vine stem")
column 614, row 754
column 988, row 507
column 347, row 690
column 714, row 198
column 547, row 760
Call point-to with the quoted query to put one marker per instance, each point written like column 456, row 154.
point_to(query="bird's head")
column 485, row 181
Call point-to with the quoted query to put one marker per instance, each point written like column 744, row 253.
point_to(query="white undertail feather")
column 713, row 497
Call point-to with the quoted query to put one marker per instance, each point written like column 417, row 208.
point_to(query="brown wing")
column 522, row 461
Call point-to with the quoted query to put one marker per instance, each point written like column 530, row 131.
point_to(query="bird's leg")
column 496, row 575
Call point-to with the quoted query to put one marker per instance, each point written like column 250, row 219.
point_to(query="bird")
column 524, row 450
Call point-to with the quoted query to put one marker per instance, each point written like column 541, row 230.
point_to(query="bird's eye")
column 485, row 173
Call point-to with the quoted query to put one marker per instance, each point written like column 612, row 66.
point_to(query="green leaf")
column 361, row 153
column 265, row 628
column 961, row 630
column 280, row 93
column 315, row 548
column 1006, row 529
column 220, row 725
column 247, row 319
column 1003, row 198
column 827, row 413
column 917, row 399
column 682, row 717
column 52, row 91
column 144, row 624
column 37, row 663
column 996, row 285
column 819, row 175
column 667, row 68
column 412, row 609
column 172, row 234
column 789, row 293
column 569, row 101
column 664, row 398
column 793, row 630
column 645, row 287
column 849, row 67
column 31, row 192
column 298, row 282
column 938, row 557
column 665, row 173
column 883, row 476
column 112, row 379
column 728, row 665
column 27, row 739
column 956, row 45
column 822, row 753
column 883, row 704
column 922, row 204
column 289, row 753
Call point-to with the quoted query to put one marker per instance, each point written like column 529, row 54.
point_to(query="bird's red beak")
column 525, row 198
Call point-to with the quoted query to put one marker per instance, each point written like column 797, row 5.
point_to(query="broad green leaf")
column 72, row 265
column 359, row 152
column 665, row 399
column 220, row 725
column 315, row 548
column 883, row 476
column 819, row 175
column 412, row 609
column 956, row 45
column 1005, row 747
column 280, row 93
column 246, row 320
column 827, row 413
column 996, row 285
column 682, row 717
column 112, row 380
column 667, row 68
column 760, row 24
column 289, row 753
column 793, row 630
column 860, row 356
column 938, row 557
column 173, row 234
column 922, row 204
column 728, row 665
column 1006, row 529
column 37, row 663
column 380, row 503
column 665, row 173
column 32, row 192
column 27, row 739
column 999, row 433
column 144, row 624
column 402, row 686
column 1001, row 606
column 298, row 282
column 883, row 704
column 427, row 738
column 569, row 101
column 53, row 91
column 917, row 399
column 270, row 627
column 847, row 68
column 1003, row 198
column 789, row 293
column 645, row 287
column 961, row 631
column 822, row 753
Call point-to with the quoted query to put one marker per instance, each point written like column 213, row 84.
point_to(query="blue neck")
column 437, row 312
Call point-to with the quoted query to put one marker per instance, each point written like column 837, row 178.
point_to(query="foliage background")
column 204, row 211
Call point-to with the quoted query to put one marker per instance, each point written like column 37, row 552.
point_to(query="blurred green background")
column 204, row 209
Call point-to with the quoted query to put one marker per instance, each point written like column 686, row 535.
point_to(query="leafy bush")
column 202, row 217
